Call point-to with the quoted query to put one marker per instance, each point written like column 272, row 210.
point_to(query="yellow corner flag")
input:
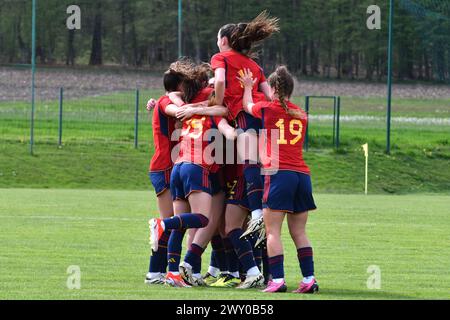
column 366, row 154
column 366, row 149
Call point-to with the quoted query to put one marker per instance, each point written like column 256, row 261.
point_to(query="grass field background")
column 105, row 233
column 87, row 202
column 98, row 145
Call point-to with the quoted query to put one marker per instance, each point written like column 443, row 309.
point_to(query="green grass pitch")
column 105, row 233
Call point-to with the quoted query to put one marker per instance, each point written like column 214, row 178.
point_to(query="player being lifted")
column 236, row 43
column 236, row 251
column 287, row 186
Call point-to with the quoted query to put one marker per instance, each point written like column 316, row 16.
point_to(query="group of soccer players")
column 237, row 206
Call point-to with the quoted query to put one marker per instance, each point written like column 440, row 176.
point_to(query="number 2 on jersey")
column 295, row 128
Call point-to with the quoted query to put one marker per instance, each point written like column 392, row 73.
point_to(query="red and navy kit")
column 234, row 64
column 194, row 141
column 217, row 179
column 288, row 191
column 290, row 134
column 203, row 95
column 193, row 166
column 235, row 183
column 188, row 177
column 161, row 163
column 236, row 192
column 287, row 185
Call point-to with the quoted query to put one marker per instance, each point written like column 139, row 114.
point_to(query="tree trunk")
column 135, row 45
column 25, row 55
column 70, row 53
column 123, row 35
column 304, row 59
column 96, row 50
column 427, row 66
column 339, row 66
column 313, row 58
column 357, row 65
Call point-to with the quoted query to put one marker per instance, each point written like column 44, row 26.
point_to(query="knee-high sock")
column 218, row 256
column 186, row 221
column 158, row 260
column 306, row 261
column 194, row 257
column 276, row 265
column 232, row 259
column 243, row 249
column 257, row 252
column 174, row 249
column 254, row 185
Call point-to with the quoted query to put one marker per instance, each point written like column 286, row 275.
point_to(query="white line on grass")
column 45, row 217
column 411, row 120
column 72, row 218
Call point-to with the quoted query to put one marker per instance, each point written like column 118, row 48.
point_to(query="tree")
column 96, row 48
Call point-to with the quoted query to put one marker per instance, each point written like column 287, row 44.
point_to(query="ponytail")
column 243, row 37
column 283, row 84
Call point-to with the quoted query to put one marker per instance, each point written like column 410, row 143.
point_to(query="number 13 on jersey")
column 295, row 128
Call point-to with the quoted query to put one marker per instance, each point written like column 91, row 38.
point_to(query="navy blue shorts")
column 187, row 178
column 236, row 192
column 288, row 191
column 216, row 182
column 246, row 121
column 160, row 180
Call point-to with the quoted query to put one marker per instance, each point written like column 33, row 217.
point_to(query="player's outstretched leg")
column 182, row 221
column 178, row 224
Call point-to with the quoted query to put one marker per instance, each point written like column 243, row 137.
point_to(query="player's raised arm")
column 248, row 82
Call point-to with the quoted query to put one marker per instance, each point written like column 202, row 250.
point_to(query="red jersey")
column 287, row 132
column 234, row 64
column 203, row 95
column 163, row 127
column 193, row 139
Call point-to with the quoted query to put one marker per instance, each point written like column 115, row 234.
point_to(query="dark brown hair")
column 195, row 77
column 243, row 37
column 172, row 80
column 283, row 84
